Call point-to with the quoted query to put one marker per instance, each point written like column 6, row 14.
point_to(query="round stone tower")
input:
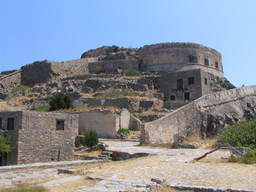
column 171, row 57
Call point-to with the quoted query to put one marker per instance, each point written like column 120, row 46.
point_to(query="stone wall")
column 10, row 81
column 112, row 66
column 180, row 56
column 202, row 117
column 42, row 71
column 134, row 123
column 35, row 138
column 39, row 141
column 104, row 122
column 11, row 135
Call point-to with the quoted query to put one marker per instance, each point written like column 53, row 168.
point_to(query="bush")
column 250, row 157
column 80, row 141
column 223, row 82
column 60, row 101
column 132, row 112
column 156, row 83
column 20, row 89
column 241, row 134
column 91, row 138
column 123, row 131
column 131, row 72
column 4, row 146
column 43, row 109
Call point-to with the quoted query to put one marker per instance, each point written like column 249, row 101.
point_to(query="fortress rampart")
column 42, row 71
column 203, row 116
column 10, row 81
column 180, row 57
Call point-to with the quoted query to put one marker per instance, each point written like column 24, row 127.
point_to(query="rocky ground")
column 167, row 167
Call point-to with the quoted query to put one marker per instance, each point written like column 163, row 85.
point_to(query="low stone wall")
column 135, row 123
column 10, row 81
column 112, row 66
column 202, row 117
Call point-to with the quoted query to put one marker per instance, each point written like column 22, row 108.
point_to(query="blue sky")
column 32, row 30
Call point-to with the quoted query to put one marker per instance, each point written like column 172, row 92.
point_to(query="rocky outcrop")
column 203, row 117
column 103, row 51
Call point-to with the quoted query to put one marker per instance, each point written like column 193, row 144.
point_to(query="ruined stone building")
column 38, row 137
column 185, row 74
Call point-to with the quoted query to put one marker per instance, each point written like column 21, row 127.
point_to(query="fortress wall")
column 42, row 71
column 37, row 72
column 202, row 116
column 172, row 55
column 12, row 80
column 72, row 67
column 111, row 66
column 182, row 67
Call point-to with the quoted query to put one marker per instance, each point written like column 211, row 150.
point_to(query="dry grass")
column 163, row 188
column 25, row 188
column 133, row 135
column 203, row 143
column 74, row 185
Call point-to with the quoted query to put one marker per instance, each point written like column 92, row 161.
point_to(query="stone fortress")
column 179, row 84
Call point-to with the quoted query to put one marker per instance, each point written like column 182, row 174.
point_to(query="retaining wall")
column 205, row 115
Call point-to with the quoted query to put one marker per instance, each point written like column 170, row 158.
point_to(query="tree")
column 4, row 146
column 60, row 101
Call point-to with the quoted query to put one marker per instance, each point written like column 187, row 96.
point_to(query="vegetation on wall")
column 223, row 82
column 4, row 146
column 20, row 90
column 61, row 101
column 43, row 109
column 131, row 72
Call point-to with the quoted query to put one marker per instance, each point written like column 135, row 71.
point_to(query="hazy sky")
column 32, row 30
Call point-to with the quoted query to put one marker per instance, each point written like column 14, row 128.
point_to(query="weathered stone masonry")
column 202, row 117
column 35, row 136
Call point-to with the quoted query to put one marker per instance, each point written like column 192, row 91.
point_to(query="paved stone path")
column 174, row 167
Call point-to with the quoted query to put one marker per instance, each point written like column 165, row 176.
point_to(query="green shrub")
column 61, row 101
column 131, row 72
column 91, row 138
column 43, row 109
column 131, row 111
column 80, row 141
column 4, row 146
column 241, row 134
column 250, row 157
column 156, row 83
column 20, row 89
column 223, row 82
column 123, row 131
